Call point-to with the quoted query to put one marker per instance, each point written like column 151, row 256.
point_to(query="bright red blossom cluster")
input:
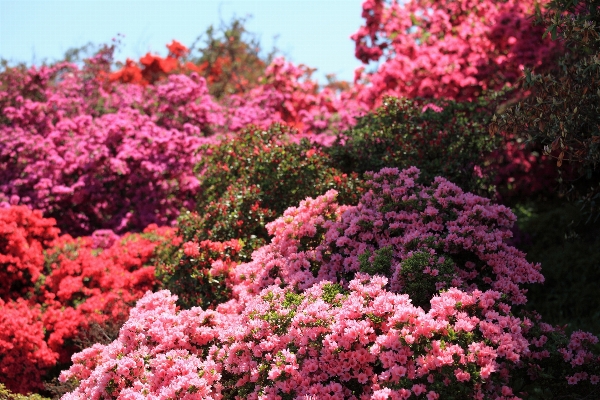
column 55, row 287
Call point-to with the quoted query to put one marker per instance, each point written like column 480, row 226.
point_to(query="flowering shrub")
column 25, row 355
column 55, row 288
column 520, row 172
column 287, row 94
column 23, row 236
column 408, row 292
column 86, row 283
column 364, row 342
column 448, row 49
column 118, row 171
column 272, row 161
column 248, row 180
column 423, row 239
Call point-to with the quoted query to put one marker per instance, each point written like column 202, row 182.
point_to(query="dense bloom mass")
column 448, row 49
column 396, row 284
column 122, row 156
column 423, row 238
column 409, row 292
column 56, row 288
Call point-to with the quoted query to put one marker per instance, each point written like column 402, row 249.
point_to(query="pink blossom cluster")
column 122, row 156
column 326, row 310
column 362, row 343
column 447, row 49
column 119, row 170
column 457, row 239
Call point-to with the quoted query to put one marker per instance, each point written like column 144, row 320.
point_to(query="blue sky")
column 312, row 32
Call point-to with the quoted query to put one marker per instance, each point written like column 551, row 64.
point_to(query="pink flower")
column 419, row 389
column 191, row 249
column 431, row 395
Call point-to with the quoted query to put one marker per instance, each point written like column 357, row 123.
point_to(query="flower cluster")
column 363, row 342
column 328, row 309
column 25, row 354
column 55, row 288
column 24, row 234
column 117, row 171
column 423, row 238
column 448, row 49
column 86, row 284
column 154, row 67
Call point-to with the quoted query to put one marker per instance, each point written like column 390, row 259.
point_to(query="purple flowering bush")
column 96, row 154
column 120, row 170
column 412, row 293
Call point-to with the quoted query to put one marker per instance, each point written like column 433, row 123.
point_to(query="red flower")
column 176, row 49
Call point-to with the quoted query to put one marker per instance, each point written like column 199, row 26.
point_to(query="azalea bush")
column 242, row 182
column 119, row 170
column 448, row 49
column 55, row 288
column 413, row 291
column 26, row 356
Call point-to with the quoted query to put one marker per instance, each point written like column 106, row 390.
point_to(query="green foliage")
column 330, row 292
column 424, row 275
column 569, row 252
column 6, row 394
column 265, row 172
column 562, row 114
column 190, row 277
column 450, row 143
column 379, row 263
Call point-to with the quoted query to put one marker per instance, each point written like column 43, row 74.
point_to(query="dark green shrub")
column 569, row 252
column 562, row 113
column 283, row 171
column 440, row 137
